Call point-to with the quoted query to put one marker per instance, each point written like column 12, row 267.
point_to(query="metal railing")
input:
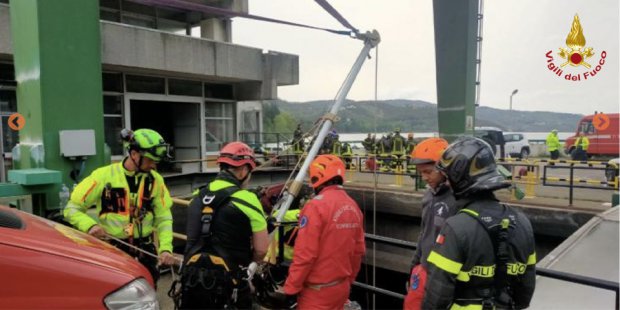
column 403, row 244
column 272, row 142
column 572, row 180
column 533, row 175
column 543, row 272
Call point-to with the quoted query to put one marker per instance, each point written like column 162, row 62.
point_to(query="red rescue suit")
column 328, row 251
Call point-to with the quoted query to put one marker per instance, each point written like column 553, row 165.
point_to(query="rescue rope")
column 178, row 261
column 374, row 190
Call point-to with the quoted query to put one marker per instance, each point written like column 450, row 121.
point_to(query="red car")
column 46, row 265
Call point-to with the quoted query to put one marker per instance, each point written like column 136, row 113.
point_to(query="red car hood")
column 43, row 235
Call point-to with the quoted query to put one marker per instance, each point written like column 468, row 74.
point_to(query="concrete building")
column 198, row 92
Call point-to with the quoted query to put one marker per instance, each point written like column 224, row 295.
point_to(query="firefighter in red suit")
column 330, row 241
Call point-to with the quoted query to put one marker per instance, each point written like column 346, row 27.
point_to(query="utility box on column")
column 77, row 143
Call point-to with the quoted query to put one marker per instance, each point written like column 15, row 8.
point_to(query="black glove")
column 291, row 301
column 271, row 224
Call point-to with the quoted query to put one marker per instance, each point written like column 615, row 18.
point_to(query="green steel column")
column 58, row 72
column 455, row 53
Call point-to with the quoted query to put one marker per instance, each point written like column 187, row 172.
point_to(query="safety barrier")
column 372, row 164
column 403, row 244
column 543, row 272
column 533, row 176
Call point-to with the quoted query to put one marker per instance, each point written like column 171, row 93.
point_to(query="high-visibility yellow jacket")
column 115, row 214
column 337, row 148
column 553, row 142
column 398, row 145
column 289, row 236
column 582, row 142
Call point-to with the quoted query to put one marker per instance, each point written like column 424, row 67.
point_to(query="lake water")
column 349, row 137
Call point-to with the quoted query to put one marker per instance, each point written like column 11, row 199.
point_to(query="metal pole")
column 371, row 39
column 2, row 173
column 570, row 192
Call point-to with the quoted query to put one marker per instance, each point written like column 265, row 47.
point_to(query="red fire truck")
column 602, row 142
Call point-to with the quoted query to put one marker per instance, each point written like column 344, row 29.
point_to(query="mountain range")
column 417, row 115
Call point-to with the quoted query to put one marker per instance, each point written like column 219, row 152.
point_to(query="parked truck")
column 603, row 142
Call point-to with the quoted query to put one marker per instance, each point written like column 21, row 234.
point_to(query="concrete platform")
column 593, row 252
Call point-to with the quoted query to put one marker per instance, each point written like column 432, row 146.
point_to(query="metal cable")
column 332, row 11
column 192, row 6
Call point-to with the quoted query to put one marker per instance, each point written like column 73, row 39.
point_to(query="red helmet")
column 325, row 168
column 237, row 154
column 428, row 151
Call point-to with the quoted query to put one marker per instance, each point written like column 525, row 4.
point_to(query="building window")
column 219, row 126
column 219, row 91
column 7, row 75
column 145, row 84
column 112, row 82
column 249, row 127
column 113, row 122
column 8, row 106
column 184, row 88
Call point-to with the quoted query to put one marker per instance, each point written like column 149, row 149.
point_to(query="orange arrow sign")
column 16, row 121
column 600, row 121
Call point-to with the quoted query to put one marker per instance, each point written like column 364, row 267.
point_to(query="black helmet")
column 470, row 167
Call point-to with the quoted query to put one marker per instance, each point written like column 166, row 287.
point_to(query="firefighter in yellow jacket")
column 131, row 199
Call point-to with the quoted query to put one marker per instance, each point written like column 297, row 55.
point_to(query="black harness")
column 499, row 228
column 113, row 200
column 208, row 280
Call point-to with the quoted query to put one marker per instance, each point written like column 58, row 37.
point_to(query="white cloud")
column 517, row 34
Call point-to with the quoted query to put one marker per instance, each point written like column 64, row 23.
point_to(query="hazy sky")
column 517, row 35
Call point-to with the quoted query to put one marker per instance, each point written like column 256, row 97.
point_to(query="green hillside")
column 409, row 115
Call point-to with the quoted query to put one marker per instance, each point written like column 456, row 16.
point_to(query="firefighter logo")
column 576, row 53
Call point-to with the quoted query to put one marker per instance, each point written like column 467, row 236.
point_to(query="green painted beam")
column 456, row 27
column 57, row 59
column 36, row 176
column 12, row 190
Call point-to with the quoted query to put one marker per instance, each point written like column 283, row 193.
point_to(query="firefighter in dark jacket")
column 484, row 256
column 437, row 206
column 226, row 231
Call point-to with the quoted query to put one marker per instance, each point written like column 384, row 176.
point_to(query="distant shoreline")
column 350, row 137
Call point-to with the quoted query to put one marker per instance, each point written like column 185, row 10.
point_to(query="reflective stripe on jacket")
column 462, row 262
column 398, row 145
column 90, row 191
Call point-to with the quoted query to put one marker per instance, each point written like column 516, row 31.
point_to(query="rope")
column 376, row 181
column 137, row 248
